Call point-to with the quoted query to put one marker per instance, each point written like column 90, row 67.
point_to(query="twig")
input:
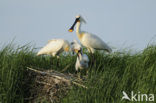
column 66, row 68
column 79, row 84
column 43, row 83
column 43, row 73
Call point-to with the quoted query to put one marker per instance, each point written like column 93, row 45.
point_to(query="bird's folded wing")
column 52, row 46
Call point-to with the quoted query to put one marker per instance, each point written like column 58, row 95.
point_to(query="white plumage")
column 82, row 59
column 90, row 41
column 75, row 46
column 55, row 47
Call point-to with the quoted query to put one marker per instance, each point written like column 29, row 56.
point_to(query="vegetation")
column 107, row 78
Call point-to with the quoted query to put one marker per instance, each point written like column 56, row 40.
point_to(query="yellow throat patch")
column 80, row 36
column 76, row 51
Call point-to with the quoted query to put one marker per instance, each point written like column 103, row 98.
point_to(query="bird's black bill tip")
column 72, row 27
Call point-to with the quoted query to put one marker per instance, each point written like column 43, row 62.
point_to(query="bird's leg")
column 93, row 56
column 92, row 59
column 89, row 50
column 52, row 63
column 57, row 61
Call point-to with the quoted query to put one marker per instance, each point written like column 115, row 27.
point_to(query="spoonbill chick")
column 75, row 46
column 82, row 61
column 55, row 47
column 90, row 41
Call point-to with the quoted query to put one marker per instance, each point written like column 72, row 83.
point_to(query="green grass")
column 110, row 75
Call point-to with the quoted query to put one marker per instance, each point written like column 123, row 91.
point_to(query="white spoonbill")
column 55, row 47
column 90, row 41
column 82, row 59
column 75, row 46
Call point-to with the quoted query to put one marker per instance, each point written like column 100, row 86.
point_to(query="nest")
column 50, row 85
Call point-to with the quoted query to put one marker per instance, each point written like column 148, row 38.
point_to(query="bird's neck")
column 80, row 55
column 78, row 30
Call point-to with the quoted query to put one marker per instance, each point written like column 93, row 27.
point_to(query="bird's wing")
column 52, row 46
column 55, row 40
column 95, row 42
